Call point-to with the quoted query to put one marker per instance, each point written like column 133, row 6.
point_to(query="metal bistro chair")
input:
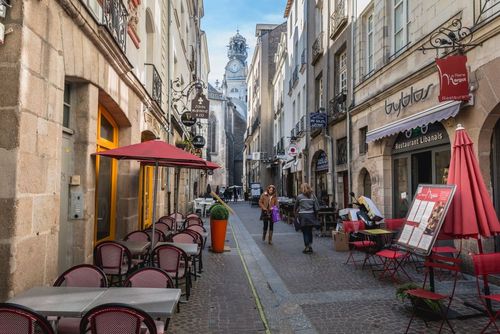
column 164, row 227
column 171, row 222
column 485, row 265
column 175, row 262
column 201, row 230
column 117, row 318
column 17, row 319
column 198, row 238
column 359, row 245
column 192, row 221
column 191, row 237
column 114, row 259
column 137, row 236
column 83, row 275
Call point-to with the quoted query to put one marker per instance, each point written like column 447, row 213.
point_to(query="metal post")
column 155, row 193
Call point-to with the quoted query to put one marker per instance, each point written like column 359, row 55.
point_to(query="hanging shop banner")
column 322, row 162
column 318, row 120
column 292, row 150
column 187, row 119
column 425, row 217
column 453, row 78
column 200, row 106
column 199, row 142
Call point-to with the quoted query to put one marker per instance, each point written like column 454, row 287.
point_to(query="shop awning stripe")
column 437, row 113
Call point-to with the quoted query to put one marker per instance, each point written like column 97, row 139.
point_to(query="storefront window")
column 401, row 187
column 442, row 162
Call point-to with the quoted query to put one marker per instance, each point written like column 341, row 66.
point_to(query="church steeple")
column 237, row 48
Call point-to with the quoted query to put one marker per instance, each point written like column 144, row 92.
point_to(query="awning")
column 435, row 114
column 288, row 164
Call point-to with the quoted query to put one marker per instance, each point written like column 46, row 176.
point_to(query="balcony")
column 485, row 10
column 337, row 107
column 303, row 61
column 290, row 87
column 114, row 18
column 342, row 151
column 300, row 127
column 153, row 83
column 338, row 19
column 317, row 48
column 293, row 134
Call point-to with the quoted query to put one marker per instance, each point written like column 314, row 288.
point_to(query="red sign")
column 453, row 78
column 425, row 217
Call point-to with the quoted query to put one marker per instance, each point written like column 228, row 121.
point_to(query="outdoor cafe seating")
column 18, row 319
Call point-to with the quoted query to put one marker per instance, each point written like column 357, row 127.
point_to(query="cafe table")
column 189, row 249
column 136, row 248
column 75, row 301
column 380, row 236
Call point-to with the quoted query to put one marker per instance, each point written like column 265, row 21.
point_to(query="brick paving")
column 300, row 293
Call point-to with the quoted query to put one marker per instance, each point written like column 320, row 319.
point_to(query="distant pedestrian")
column 266, row 202
column 235, row 194
column 306, row 208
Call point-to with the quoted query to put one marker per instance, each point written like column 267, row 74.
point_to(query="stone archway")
column 365, row 183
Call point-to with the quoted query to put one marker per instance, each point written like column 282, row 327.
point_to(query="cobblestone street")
column 299, row 293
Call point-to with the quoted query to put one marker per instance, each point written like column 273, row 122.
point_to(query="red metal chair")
column 137, row 236
column 117, row 318
column 17, row 319
column 83, row 275
column 442, row 262
column 114, row 259
column 485, row 265
column 360, row 245
column 174, row 261
column 394, row 224
column 392, row 263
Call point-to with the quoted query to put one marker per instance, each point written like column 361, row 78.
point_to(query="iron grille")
column 317, row 48
column 154, row 83
column 339, row 17
column 114, row 18
column 342, row 151
column 485, row 9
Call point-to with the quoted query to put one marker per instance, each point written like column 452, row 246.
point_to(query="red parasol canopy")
column 209, row 165
column 471, row 213
column 153, row 150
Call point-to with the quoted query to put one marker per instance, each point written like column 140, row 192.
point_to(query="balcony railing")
column 153, row 83
column 295, row 75
column 337, row 107
column 317, row 48
column 485, row 10
column 290, row 87
column 338, row 19
column 293, row 134
column 114, row 18
column 303, row 61
column 301, row 126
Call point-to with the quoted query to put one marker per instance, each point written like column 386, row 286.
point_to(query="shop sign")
column 292, row 150
column 318, row 120
column 425, row 136
column 405, row 100
column 198, row 152
column 199, row 141
column 453, row 78
column 200, row 106
column 322, row 162
column 187, row 119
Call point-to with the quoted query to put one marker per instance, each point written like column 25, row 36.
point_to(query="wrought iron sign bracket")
column 181, row 96
column 455, row 37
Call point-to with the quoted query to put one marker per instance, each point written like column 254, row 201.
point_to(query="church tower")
column 234, row 84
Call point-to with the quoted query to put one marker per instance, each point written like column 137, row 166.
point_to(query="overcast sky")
column 223, row 17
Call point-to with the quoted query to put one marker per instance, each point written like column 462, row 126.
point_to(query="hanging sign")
column 200, row 106
column 453, row 78
column 292, row 150
column 425, row 217
column 322, row 162
column 187, row 119
column 199, row 141
column 318, row 120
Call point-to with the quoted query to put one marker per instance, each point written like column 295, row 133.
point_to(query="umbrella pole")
column 155, row 191
column 176, row 192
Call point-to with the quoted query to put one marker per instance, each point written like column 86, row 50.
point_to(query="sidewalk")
column 299, row 293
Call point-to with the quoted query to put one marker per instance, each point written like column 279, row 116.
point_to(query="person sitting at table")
column 266, row 202
column 306, row 208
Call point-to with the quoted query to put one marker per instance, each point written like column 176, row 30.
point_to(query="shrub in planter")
column 218, row 212
column 218, row 224
column 425, row 308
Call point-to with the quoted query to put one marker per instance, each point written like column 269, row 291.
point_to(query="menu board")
column 425, row 217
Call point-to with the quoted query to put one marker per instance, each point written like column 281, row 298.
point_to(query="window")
column 299, row 107
column 67, row 105
column 369, row 44
column 319, row 92
column 363, row 145
column 212, row 135
column 342, row 151
column 400, row 26
column 342, row 78
column 234, row 90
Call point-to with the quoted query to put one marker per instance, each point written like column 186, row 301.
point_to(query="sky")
column 222, row 19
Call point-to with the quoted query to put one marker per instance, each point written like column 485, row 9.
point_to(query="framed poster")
column 425, row 217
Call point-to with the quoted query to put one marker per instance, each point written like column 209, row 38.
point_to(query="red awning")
column 208, row 165
column 154, row 151
column 471, row 213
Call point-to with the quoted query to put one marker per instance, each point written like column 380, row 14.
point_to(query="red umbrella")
column 209, row 165
column 471, row 213
column 155, row 152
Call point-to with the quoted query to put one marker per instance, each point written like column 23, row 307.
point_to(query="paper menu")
column 420, row 212
column 428, row 212
column 415, row 237
column 414, row 209
column 425, row 241
column 406, row 234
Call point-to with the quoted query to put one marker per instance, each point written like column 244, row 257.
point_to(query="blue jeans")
column 308, row 235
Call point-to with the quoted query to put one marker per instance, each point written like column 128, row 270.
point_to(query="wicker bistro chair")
column 176, row 215
column 198, row 238
column 191, row 237
column 83, row 275
column 159, row 235
column 137, row 236
column 192, row 221
column 437, row 261
column 360, row 245
column 200, row 230
column 485, row 265
column 114, row 318
column 114, row 259
column 17, row 319
column 164, row 227
column 175, row 262
column 169, row 221
column 192, row 215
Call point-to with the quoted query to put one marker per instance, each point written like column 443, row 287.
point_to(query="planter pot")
column 218, row 235
column 423, row 311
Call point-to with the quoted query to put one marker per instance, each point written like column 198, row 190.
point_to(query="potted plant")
column 425, row 308
column 181, row 143
column 219, row 215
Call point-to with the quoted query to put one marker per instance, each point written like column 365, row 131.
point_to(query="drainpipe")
column 169, row 97
column 328, row 138
column 349, row 171
column 305, row 153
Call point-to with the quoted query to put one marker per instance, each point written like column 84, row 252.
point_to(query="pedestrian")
column 266, row 202
column 235, row 194
column 306, row 209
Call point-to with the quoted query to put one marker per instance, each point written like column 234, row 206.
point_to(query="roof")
column 241, row 107
column 213, row 93
column 288, row 7
column 260, row 27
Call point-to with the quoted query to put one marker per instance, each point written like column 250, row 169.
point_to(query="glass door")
column 401, row 195
column 105, row 206
column 146, row 213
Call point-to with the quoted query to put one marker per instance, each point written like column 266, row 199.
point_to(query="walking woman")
column 307, row 206
column 266, row 202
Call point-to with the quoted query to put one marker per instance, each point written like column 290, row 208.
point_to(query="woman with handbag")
column 266, row 202
column 306, row 208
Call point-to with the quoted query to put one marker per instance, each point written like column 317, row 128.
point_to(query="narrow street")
column 299, row 293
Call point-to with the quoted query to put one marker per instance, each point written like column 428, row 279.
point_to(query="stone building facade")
column 75, row 81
